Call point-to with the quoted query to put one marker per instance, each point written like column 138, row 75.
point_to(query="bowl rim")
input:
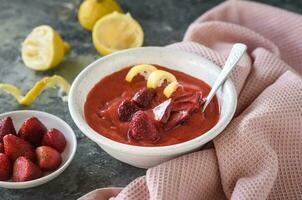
column 53, row 174
column 146, row 150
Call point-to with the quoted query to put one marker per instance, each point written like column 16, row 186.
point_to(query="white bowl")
column 188, row 63
column 50, row 121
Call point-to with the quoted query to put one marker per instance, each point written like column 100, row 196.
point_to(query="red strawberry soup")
column 131, row 113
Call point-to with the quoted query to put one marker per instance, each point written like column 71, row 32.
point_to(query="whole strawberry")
column 32, row 130
column 142, row 127
column 55, row 139
column 15, row 147
column 48, row 158
column 6, row 127
column 5, row 167
column 25, row 170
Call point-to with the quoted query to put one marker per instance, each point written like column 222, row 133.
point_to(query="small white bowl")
column 188, row 63
column 50, row 121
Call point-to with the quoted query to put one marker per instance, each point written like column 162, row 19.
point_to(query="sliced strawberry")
column 177, row 118
column 143, row 128
column 5, row 167
column 48, row 158
column 183, row 107
column 15, row 147
column 144, row 97
column 1, row 148
column 32, row 130
column 6, row 127
column 190, row 102
column 55, row 139
column 25, row 170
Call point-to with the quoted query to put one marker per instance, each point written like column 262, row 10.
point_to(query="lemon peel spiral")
column 37, row 89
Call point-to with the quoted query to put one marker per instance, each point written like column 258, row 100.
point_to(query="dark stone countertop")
column 164, row 22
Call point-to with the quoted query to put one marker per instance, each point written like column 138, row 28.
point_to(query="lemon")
column 92, row 10
column 169, row 89
column 143, row 69
column 43, row 48
column 157, row 78
column 115, row 32
column 39, row 87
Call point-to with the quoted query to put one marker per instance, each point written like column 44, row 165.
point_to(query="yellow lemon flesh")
column 92, row 10
column 143, row 69
column 169, row 89
column 115, row 32
column 43, row 48
column 39, row 87
column 157, row 78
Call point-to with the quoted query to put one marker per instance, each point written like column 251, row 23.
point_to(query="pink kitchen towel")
column 259, row 155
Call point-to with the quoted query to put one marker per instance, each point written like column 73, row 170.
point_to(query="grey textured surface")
column 164, row 22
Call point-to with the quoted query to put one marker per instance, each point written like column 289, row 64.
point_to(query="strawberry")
column 144, row 97
column 55, row 139
column 48, row 158
column 190, row 102
column 32, row 130
column 1, row 148
column 15, row 147
column 178, row 118
column 126, row 110
column 5, row 167
column 6, row 127
column 25, row 170
column 142, row 127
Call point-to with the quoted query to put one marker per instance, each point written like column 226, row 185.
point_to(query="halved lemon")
column 157, row 78
column 115, row 32
column 39, row 87
column 43, row 48
column 170, row 89
column 142, row 69
column 92, row 10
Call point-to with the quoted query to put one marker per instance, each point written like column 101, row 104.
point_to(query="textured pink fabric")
column 259, row 155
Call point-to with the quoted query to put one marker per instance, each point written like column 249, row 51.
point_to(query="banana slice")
column 39, row 87
column 168, row 91
column 143, row 69
column 157, row 78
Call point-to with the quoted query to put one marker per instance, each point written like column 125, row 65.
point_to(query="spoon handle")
column 236, row 53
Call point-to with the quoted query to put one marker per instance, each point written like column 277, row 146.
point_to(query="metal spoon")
column 236, row 53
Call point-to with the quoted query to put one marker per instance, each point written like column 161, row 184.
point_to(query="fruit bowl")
column 50, row 121
column 191, row 64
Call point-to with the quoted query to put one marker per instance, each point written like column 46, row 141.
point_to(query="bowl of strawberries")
column 35, row 147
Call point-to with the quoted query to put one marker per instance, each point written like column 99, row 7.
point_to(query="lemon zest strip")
column 169, row 89
column 37, row 89
column 157, row 77
column 142, row 69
